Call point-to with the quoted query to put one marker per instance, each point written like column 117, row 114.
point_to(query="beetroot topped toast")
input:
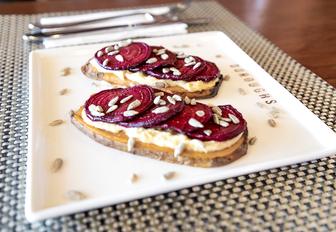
column 156, row 124
column 134, row 63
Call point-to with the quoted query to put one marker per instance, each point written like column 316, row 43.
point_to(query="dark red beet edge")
column 209, row 73
column 149, row 119
column 131, row 56
column 141, row 92
column 143, row 67
column 187, row 72
column 180, row 122
column 220, row 133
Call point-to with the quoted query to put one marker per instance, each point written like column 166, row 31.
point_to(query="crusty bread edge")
column 164, row 156
column 89, row 71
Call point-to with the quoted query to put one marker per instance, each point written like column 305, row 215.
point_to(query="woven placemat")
column 298, row 197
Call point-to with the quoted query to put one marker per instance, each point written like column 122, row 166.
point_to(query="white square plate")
column 103, row 174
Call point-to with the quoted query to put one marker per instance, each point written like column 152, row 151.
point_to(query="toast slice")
column 197, row 159
column 92, row 72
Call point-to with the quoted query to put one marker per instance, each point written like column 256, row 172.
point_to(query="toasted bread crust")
column 196, row 159
column 91, row 72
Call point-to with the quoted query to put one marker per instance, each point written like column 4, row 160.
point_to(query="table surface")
column 305, row 29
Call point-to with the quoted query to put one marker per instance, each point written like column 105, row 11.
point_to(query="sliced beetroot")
column 150, row 118
column 183, row 72
column 181, row 122
column 209, row 73
column 121, row 58
column 160, row 57
column 220, row 133
column 144, row 94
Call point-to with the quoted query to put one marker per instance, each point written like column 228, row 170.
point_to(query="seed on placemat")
column 56, row 165
column 252, row 140
column 272, row 122
column 242, row 91
column 74, row 195
column 56, row 122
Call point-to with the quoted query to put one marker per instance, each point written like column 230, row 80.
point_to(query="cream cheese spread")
column 141, row 78
column 163, row 138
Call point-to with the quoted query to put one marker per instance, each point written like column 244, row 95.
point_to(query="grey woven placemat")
column 298, row 197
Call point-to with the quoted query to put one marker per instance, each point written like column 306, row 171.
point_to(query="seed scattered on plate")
column 272, row 122
column 207, row 132
column 261, row 105
column 74, row 195
column 169, row 175
column 130, row 144
column 113, row 101
column 126, row 99
column 129, row 113
column 119, row 58
column 66, row 71
column 179, row 149
column 200, row 113
column 151, row 60
column 252, row 140
column 134, row 104
column 56, row 122
column 242, row 91
column 195, row 123
column 56, row 165
column 226, row 78
column 134, row 178
column 160, row 110
column 95, row 84
column 64, row 91
column 219, row 56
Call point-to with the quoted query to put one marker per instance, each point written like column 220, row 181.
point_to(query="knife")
column 38, row 35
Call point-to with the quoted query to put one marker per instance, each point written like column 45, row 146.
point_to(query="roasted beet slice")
column 209, row 73
column 191, row 118
column 117, row 105
column 118, row 57
column 231, row 126
column 164, row 107
column 183, row 69
column 160, row 57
